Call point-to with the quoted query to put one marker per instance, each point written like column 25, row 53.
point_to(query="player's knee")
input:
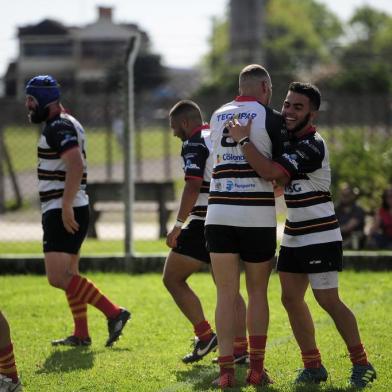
column 328, row 303
column 288, row 301
column 56, row 281
column 171, row 282
column 166, row 281
column 258, row 296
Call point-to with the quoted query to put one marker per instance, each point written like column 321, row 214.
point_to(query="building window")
column 102, row 50
column 93, row 87
column 60, row 49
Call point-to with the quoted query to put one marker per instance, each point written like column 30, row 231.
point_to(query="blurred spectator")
column 351, row 218
column 380, row 234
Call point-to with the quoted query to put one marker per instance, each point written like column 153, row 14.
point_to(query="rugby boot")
column 362, row 375
column 312, row 375
column 258, row 379
column 116, row 326
column 72, row 341
column 201, row 349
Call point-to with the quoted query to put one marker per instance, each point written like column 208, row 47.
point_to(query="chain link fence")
column 156, row 161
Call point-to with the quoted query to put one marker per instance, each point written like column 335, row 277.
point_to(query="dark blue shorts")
column 56, row 238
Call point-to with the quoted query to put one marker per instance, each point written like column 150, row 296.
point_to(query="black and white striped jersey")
column 238, row 195
column 197, row 157
column 310, row 211
column 58, row 136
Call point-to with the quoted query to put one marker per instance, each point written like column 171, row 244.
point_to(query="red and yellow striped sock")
column 226, row 365
column 311, row 359
column 257, row 345
column 240, row 346
column 203, row 331
column 358, row 355
column 83, row 290
column 7, row 363
column 79, row 314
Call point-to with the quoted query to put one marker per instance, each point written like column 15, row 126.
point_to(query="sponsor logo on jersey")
column 189, row 155
column 218, row 186
column 230, row 185
column 67, row 139
column 233, row 157
column 291, row 159
column 311, row 145
column 293, row 187
column 190, row 165
column 239, row 116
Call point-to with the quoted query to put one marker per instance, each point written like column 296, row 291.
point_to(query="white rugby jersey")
column 59, row 135
column 310, row 211
column 238, row 195
column 197, row 157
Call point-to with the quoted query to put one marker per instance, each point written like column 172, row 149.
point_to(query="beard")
column 301, row 125
column 182, row 134
column 38, row 115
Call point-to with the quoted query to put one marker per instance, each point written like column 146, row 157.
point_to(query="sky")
column 179, row 29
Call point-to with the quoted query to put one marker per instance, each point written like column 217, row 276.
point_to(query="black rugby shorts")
column 56, row 238
column 253, row 244
column 311, row 259
column 191, row 242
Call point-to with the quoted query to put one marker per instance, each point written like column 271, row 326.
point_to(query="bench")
column 159, row 192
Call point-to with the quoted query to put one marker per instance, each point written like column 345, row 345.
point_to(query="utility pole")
column 247, row 26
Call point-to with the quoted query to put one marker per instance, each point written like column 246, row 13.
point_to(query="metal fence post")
column 129, row 196
column 2, row 179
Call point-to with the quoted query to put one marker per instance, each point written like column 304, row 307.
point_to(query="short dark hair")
column 187, row 108
column 253, row 72
column 308, row 89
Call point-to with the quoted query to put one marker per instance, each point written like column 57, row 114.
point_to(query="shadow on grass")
column 114, row 349
column 68, row 360
column 322, row 388
column 200, row 377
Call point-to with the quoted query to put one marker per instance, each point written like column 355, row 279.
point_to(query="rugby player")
column 62, row 175
column 187, row 242
column 9, row 381
column 241, row 221
column 311, row 248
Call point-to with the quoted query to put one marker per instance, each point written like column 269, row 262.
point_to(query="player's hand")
column 69, row 222
column 171, row 238
column 238, row 131
column 278, row 189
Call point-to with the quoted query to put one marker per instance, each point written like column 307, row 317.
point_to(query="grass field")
column 89, row 247
column 147, row 358
column 22, row 145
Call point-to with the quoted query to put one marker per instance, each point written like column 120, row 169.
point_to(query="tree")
column 148, row 73
column 370, row 153
column 365, row 60
column 299, row 35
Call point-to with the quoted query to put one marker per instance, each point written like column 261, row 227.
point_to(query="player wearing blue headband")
column 44, row 90
column 62, row 175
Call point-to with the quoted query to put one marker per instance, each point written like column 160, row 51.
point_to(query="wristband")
column 244, row 141
column 178, row 223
